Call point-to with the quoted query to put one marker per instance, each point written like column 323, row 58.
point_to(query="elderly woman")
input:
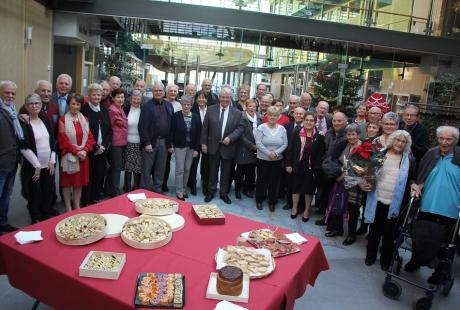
column 133, row 152
column 271, row 141
column 200, row 108
column 303, row 161
column 246, row 158
column 354, row 197
column 75, row 142
column 384, row 203
column 360, row 119
column 283, row 119
column 37, row 172
column 185, row 140
column 243, row 96
column 99, row 123
column 390, row 122
column 119, row 123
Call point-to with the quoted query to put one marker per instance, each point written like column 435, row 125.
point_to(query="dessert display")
column 157, row 206
column 146, row 232
column 278, row 244
column 81, row 229
column 160, row 290
column 255, row 262
column 230, row 281
column 208, row 214
column 106, row 265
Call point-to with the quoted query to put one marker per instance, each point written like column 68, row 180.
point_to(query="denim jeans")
column 6, row 189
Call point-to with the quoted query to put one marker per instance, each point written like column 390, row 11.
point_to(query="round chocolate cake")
column 230, row 281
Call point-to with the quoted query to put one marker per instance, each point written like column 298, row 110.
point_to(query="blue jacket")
column 148, row 132
column 179, row 130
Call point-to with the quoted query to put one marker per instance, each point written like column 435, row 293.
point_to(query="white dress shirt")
column 225, row 119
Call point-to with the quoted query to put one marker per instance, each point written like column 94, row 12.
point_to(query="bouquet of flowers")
column 363, row 164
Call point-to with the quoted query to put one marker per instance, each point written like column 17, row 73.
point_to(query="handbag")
column 338, row 199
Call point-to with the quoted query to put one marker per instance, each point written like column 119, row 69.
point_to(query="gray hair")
column 272, row 110
column 115, row 77
column 94, row 87
column 452, row 130
column 325, row 103
column 295, row 97
column 399, row 133
column 360, row 104
column 136, row 93
column 353, row 127
column 391, row 116
column 40, row 82
column 169, row 86
column 411, row 106
column 64, row 76
column 5, row 83
column 186, row 98
column 158, row 85
column 33, row 98
column 227, row 90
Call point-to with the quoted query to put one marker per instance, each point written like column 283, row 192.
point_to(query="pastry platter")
column 258, row 263
column 156, row 206
column 277, row 243
column 176, row 221
column 146, row 232
column 208, row 214
column 160, row 290
column 81, row 229
column 103, row 265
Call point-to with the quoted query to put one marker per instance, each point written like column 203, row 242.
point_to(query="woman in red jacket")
column 75, row 141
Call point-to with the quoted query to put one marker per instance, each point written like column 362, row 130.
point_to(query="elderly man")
column 11, row 132
column 418, row 132
column 190, row 90
column 206, row 87
column 63, row 87
column 374, row 115
column 265, row 103
column 323, row 119
column 305, row 102
column 106, row 100
column 333, row 137
column 222, row 127
column 438, row 186
column 140, row 86
column 154, row 128
column 293, row 103
column 261, row 90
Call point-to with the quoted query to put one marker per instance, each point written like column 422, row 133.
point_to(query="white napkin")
column 296, row 238
column 135, row 197
column 226, row 305
column 24, row 237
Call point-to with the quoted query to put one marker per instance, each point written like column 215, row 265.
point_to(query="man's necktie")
column 221, row 123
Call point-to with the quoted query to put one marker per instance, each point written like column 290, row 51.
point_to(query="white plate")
column 115, row 224
column 176, row 221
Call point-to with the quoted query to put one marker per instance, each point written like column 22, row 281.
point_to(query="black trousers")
column 41, row 197
column 353, row 216
column 245, row 177
column 322, row 193
column 193, row 171
column 382, row 229
column 97, row 172
column 214, row 162
column 268, row 173
column 167, row 170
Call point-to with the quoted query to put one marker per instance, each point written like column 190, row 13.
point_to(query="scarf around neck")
column 70, row 163
column 11, row 110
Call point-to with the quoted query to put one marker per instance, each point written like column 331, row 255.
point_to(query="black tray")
column 138, row 304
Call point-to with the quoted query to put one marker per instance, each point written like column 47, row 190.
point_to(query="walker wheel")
column 447, row 287
column 391, row 290
column 424, row 303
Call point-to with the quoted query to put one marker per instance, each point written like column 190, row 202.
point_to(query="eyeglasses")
column 34, row 103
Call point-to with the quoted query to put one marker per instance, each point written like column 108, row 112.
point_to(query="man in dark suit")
column 323, row 119
column 222, row 127
column 63, row 87
column 154, row 128
column 206, row 88
column 306, row 101
column 418, row 132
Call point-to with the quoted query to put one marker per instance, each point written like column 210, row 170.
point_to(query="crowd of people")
column 269, row 149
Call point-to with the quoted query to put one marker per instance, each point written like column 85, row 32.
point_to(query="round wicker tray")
column 148, row 245
column 82, row 241
column 156, row 209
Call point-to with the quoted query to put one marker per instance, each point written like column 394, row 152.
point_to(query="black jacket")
column 179, row 131
column 317, row 152
column 99, row 118
column 420, row 140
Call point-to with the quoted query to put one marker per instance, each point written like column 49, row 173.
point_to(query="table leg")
column 36, row 303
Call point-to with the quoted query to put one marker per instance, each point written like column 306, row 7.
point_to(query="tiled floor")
column 349, row 284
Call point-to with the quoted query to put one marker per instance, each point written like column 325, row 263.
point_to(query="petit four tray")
column 156, row 206
column 212, row 293
column 103, row 265
column 81, row 229
column 160, row 290
column 277, row 243
column 146, row 232
column 208, row 214
column 258, row 263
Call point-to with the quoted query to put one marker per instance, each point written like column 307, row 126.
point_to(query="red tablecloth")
column 48, row 270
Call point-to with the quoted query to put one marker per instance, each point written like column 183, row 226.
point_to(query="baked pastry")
column 230, row 281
